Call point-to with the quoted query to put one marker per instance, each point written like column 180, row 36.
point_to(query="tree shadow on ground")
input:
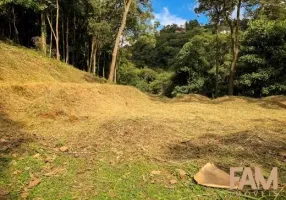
column 11, row 139
column 233, row 150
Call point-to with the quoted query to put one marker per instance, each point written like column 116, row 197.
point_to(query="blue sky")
column 176, row 11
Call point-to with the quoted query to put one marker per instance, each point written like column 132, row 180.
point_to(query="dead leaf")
column 170, row 187
column 32, row 176
column 50, row 159
column 144, row 178
column 3, row 193
column 27, row 168
column 283, row 154
column 36, row 155
column 112, row 162
column 3, row 141
column 154, row 172
column 24, row 195
column 34, row 183
column 64, row 149
column 182, row 173
column 16, row 172
column 55, row 172
column 212, row 176
column 172, row 182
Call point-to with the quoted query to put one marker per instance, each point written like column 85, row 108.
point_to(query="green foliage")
column 270, row 9
column 145, row 79
column 128, row 74
column 263, row 59
column 144, row 51
column 195, row 64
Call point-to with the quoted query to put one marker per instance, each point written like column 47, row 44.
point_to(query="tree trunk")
column 52, row 33
column 233, row 70
column 103, row 68
column 117, row 41
column 67, row 41
column 91, row 58
column 44, row 32
column 57, row 31
column 14, row 24
column 235, row 51
column 94, row 61
column 86, row 55
column 74, row 41
column 115, row 75
column 98, row 62
column 216, row 62
column 63, row 39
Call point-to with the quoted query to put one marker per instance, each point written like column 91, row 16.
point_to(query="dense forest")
column 241, row 51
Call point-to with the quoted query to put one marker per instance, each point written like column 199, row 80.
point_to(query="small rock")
column 64, row 149
column 172, row 182
column 34, row 183
column 76, row 155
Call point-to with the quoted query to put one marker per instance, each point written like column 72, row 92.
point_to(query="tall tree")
column 234, row 29
column 226, row 8
column 42, row 8
column 127, row 4
column 215, row 10
column 57, row 30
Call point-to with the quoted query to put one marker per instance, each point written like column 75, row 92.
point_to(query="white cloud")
column 166, row 18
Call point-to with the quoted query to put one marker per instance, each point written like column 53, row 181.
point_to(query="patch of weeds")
column 135, row 181
column 61, row 185
column 4, row 171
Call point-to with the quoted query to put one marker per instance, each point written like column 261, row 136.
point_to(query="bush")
column 128, row 74
column 145, row 79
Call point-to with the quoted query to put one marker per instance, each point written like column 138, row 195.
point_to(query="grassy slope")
column 116, row 136
column 22, row 65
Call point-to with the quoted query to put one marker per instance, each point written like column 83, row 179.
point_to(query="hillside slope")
column 64, row 138
column 22, row 65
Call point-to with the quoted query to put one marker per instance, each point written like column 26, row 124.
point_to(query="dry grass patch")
column 22, row 65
